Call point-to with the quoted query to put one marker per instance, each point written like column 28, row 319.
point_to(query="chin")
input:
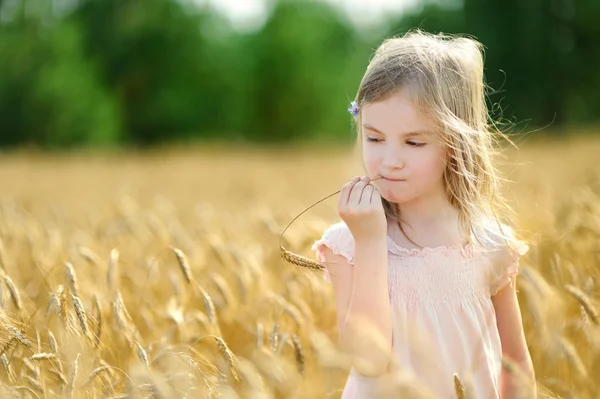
column 397, row 198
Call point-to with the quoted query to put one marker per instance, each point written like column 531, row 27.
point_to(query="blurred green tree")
column 143, row 72
column 157, row 62
column 50, row 94
column 537, row 55
column 307, row 63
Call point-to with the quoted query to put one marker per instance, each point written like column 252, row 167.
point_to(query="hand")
column 361, row 209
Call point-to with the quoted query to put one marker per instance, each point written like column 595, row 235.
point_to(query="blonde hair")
column 444, row 74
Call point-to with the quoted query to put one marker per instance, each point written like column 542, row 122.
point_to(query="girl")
column 422, row 269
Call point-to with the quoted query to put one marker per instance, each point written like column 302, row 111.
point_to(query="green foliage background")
column 137, row 73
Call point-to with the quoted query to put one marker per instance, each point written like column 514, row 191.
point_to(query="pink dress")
column 442, row 315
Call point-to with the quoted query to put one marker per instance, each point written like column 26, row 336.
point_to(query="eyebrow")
column 409, row 134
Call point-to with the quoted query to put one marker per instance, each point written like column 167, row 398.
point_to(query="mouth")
column 389, row 179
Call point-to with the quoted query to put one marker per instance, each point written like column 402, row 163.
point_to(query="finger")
column 356, row 192
column 345, row 192
column 375, row 196
column 366, row 180
column 352, row 185
column 366, row 194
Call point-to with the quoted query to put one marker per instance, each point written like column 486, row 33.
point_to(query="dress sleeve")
column 504, row 274
column 339, row 239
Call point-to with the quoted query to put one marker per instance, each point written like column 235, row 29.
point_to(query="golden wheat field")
column 159, row 274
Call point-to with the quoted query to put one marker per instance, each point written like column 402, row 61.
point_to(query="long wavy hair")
column 444, row 74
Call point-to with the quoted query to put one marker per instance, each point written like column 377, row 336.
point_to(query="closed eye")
column 411, row 143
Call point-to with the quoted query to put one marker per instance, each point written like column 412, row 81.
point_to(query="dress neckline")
column 458, row 249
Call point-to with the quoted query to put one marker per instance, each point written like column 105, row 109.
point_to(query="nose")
column 393, row 159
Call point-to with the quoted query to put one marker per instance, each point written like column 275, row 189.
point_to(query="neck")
column 427, row 211
column 425, row 215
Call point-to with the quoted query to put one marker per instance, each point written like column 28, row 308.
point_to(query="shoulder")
column 338, row 230
column 504, row 251
column 338, row 238
column 500, row 239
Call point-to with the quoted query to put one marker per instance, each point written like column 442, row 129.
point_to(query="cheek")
column 428, row 167
column 371, row 160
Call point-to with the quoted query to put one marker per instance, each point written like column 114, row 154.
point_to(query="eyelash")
column 412, row 143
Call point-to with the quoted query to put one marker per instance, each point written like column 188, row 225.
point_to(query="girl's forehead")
column 400, row 115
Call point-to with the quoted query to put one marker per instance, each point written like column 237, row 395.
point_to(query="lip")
column 387, row 178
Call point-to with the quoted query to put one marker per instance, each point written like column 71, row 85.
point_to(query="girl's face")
column 400, row 145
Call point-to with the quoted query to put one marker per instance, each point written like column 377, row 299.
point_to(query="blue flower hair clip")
column 353, row 109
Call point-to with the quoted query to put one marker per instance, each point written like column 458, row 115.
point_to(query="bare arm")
column 520, row 383
column 367, row 330
column 361, row 295
column 366, row 333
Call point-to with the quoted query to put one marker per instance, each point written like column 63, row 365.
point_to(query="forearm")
column 518, row 381
column 367, row 331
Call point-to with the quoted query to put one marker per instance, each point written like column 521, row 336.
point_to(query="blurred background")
column 138, row 73
column 132, row 127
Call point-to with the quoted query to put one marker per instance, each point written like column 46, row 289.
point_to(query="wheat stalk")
column 142, row 354
column 260, row 331
column 299, row 353
column 60, row 376
column 299, row 260
column 26, row 388
column 43, row 356
column 209, row 305
column 572, row 356
column 53, row 303
column 73, row 376
column 8, row 367
column 38, row 339
column 118, row 311
column 2, row 255
column 96, row 372
column 274, row 337
column 112, row 268
column 52, row 342
column 122, row 318
column 228, row 356
column 14, row 292
column 72, row 277
column 32, row 367
column 81, row 315
column 18, row 335
column 223, row 288
column 183, row 264
column 89, row 255
column 35, row 384
column 290, row 310
column 98, row 313
column 2, row 302
column 585, row 302
column 459, row 389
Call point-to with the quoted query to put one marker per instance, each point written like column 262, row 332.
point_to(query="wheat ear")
column 459, row 388
column 228, row 356
column 585, row 302
column 299, row 353
column 300, row 260
column 14, row 292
